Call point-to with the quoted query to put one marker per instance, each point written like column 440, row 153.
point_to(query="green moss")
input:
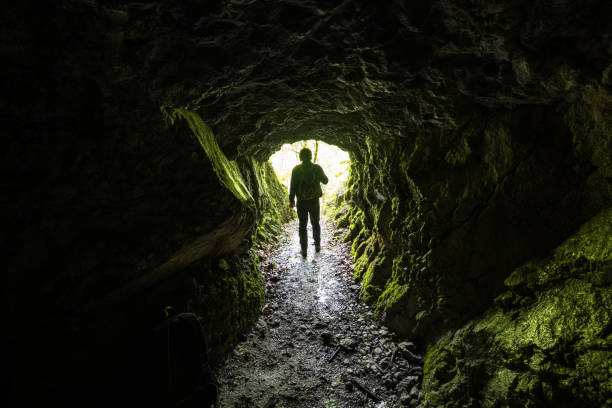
column 552, row 328
column 591, row 241
column 364, row 253
column 498, row 387
column 376, row 273
column 422, row 315
column 440, row 365
column 236, row 288
column 434, row 355
column 391, row 295
column 272, row 204
column 369, row 292
column 370, row 274
column 227, row 170
column 344, row 221
column 360, row 243
column 581, row 254
column 356, row 227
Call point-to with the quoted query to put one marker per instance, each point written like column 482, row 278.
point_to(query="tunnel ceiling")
column 261, row 73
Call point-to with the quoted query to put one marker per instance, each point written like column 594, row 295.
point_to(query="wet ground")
column 316, row 344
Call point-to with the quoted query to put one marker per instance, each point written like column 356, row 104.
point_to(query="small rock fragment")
column 404, row 399
column 348, row 342
column 406, row 346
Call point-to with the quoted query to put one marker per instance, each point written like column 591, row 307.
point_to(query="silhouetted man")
column 305, row 184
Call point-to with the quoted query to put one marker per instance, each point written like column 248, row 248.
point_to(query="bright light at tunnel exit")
column 334, row 161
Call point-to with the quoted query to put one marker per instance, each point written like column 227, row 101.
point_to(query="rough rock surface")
column 435, row 236
column 546, row 342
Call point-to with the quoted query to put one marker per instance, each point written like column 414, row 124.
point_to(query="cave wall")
column 437, row 227
column 115, row 208
column 547, row 341
column 436, row 247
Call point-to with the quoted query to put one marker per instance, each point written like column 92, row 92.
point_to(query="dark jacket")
column 305, row 181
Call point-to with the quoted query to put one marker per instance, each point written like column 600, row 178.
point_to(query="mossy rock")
column 228, row 296
column 548, row 342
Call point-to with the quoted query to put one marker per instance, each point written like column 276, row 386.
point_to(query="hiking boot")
column 317, row 247
column 304, row 253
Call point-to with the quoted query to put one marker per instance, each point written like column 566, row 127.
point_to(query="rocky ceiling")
column 266, row 72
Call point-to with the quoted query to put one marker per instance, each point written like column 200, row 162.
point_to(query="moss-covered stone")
column 546, row 342
column 237, row 294
column 272, row 204
column 227, row 170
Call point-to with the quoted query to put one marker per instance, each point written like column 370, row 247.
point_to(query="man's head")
column 305, row 154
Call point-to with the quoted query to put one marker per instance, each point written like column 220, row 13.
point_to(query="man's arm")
column 324, row 178
column 292, row 185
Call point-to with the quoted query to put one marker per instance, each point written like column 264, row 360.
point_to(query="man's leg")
column 302, row 211
column 314, row 220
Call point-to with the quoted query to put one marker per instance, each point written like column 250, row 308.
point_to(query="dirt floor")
column 316, row 344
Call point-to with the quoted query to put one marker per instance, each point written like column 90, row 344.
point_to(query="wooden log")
column 334, row 354
column 365, row 389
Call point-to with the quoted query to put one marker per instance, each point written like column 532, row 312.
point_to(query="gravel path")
column 315, row 344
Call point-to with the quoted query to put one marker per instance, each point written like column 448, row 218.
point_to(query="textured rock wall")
column 546, row 342
column 439, row 226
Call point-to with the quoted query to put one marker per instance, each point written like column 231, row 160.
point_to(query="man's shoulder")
column 308, row 168
column 316, row 168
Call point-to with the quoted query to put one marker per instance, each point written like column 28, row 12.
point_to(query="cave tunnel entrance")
column 335, row 163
